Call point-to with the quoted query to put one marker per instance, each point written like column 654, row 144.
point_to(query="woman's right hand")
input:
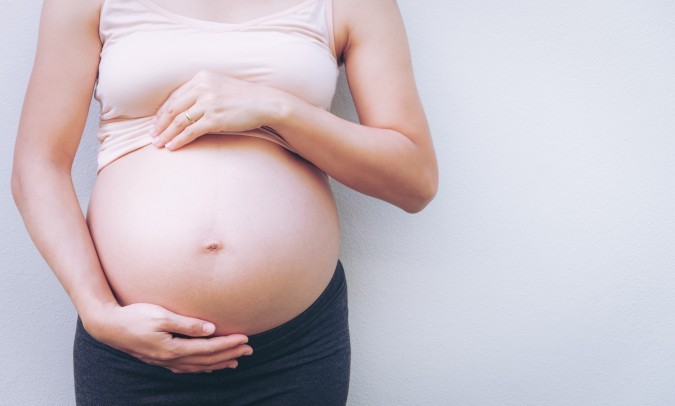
column 146, row 331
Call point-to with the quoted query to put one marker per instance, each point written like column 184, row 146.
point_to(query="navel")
column 212, row 245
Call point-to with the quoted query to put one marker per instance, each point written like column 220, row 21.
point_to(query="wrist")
column 96, row 316
column 280, row 108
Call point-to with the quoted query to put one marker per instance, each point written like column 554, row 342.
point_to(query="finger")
column 183, row 347
column 193, row 369
column 189, row 133
column 167, row 110
column 189, row 326
column 229, row 354
column 179, row 123
column 188, row 86
column 179, row 92
column 171, row 108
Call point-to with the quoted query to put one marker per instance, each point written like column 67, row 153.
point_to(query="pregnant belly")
column 232, row 229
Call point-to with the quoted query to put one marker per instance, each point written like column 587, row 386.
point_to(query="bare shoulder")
column 76, row 13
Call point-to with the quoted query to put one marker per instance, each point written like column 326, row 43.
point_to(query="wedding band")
column 189, row 117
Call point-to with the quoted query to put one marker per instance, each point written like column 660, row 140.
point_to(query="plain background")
column 544, row 271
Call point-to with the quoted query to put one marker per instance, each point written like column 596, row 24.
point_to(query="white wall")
column 542, row 274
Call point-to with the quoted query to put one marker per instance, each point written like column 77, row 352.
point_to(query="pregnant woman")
column 206, row 270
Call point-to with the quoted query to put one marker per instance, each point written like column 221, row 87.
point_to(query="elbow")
column 26, row 173
column 18, row 184
column 424, row 192
column 20, row 179
column 16, row 187
column 417, row 203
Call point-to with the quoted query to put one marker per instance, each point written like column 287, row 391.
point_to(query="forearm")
column 383, row 163
column 46, row 199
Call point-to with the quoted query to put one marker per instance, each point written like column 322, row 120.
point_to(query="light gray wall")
column 542, row 274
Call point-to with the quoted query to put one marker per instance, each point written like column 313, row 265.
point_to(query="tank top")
column 149, row 51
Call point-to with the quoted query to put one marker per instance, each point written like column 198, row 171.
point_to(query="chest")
column 148, row 53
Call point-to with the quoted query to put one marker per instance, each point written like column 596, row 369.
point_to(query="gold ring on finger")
column 189, row 117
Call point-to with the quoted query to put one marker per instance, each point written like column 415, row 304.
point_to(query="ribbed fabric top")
column 149, row 51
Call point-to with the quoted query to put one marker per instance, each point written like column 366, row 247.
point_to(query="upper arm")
column 379, row 69
column 61, row 83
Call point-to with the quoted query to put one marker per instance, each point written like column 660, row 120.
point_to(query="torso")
column 232, row 229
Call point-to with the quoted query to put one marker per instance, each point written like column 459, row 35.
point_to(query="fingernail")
column 248, row 352
column 208, row 328
column 156, row 142
column 169, row 145
column 232, row 366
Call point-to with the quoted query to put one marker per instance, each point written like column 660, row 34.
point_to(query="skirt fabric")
column 304, row 361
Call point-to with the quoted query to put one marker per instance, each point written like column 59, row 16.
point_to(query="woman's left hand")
column 210, row 102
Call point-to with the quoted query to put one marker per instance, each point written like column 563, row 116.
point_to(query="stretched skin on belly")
column 232, row 229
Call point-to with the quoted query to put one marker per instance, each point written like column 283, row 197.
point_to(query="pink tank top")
column 149, row 51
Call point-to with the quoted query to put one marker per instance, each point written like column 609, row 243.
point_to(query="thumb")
column 188, row 326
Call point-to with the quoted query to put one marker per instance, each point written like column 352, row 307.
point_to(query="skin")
column 389, row 155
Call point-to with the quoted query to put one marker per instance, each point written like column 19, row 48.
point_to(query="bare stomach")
column 231, row 229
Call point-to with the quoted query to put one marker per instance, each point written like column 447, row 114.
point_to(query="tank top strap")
column 124, row 17
column 330, row 26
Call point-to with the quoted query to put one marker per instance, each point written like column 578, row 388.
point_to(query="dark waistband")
column 299, row 324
